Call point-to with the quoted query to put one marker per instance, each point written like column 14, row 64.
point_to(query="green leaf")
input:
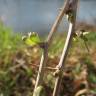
column 32, row 39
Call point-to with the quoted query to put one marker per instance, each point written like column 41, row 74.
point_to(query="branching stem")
column 65, row 50
column 44, row 57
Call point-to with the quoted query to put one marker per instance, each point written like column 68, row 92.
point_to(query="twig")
column 43, row 62
column 21, row 63
column 65, row 50
column 44, row 57
column 49, row 68
column 57, row 21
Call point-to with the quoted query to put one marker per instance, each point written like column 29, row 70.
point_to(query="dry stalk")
column 44, row 57
column 57, row 21
column 65, row 50
column 43, row 62
column 48, row 68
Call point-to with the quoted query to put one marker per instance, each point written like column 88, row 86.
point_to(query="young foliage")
column 31, row 39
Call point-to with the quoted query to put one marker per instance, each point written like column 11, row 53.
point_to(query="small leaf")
column 32, row 39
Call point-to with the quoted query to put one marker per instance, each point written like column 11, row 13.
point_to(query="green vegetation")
column 17, row 62
column 32, row 39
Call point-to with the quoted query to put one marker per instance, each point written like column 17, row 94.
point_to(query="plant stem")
column 44, row 57
column 43, row 62
column 65, row 50
column 57, row 21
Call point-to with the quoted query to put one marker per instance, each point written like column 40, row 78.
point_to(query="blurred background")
column 39, row 15
column 19, row 63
